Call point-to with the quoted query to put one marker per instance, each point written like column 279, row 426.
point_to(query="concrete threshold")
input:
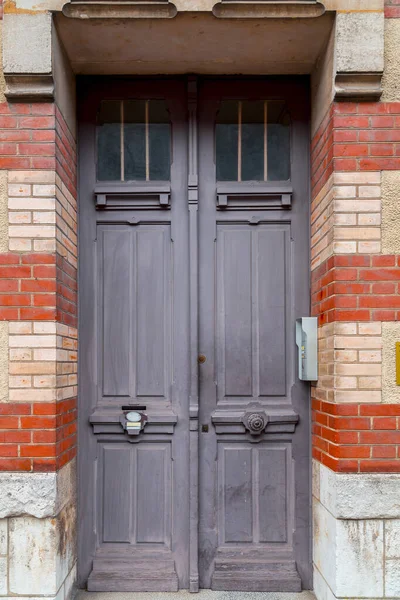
column 202, row 595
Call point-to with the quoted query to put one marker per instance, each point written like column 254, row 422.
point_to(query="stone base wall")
column 356, row 535
column 38, row 534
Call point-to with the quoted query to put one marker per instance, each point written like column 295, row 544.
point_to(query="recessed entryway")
column 194, row 265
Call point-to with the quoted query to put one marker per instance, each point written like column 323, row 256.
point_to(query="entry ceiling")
column 193, row 43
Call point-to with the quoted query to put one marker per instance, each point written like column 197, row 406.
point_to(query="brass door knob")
column 201, row 359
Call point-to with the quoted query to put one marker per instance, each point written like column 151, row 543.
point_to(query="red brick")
column 44, row 271
column 383, row 288
column 8, row 450
column 44, row 300
column 36, row 422
column 9, row 422
column 380, row 410
column 8, row 122
column 379, row 164
column 380, row 437
column 357, row 451
column 15, row 300
column 380, row 466
column 44, row 437
column 36, row 122
column 343, row 135
column 44, row 465
column 14, row 408
column 38, row 258
column 38, row 314
column 346, row 122
column 345, row 164
column 384, row 261
column 353, row 423
column 15, row 464
column 379, row 302
column 38, row 285
column 8, row 314
column 37, row 450
column 384, row 423
column 36, row 149
column 351, row 315
column 382, row 150
column 382, row 121
column 351, row 150
column 380, row 274
column 383, row 315
column 9, row 285
column 383, row 451
column 42, row 162
column 11, row 272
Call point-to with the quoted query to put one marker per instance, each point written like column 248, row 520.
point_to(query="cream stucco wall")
column 391, row 75
column 391, row 210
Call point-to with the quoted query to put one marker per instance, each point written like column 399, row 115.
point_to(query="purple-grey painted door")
column 193, row 267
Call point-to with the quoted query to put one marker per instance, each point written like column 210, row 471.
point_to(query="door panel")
column 134, row 274
column 215, row 488
column 254, row 413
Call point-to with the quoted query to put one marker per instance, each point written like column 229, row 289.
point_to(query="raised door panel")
column 254, row 494
column 253, row 279
column 134, row 309
column 135, row 493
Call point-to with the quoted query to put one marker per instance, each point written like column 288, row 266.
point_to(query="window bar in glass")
column 265, row 141
column 239, row 176
column 146, row 120
column 122, row 142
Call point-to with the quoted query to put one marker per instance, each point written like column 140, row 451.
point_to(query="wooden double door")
column 194, row 265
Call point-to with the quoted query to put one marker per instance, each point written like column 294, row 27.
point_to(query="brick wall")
column 38, row 288
column 354, row 287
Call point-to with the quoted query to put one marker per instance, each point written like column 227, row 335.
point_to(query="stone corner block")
column 38, row 495
column 28, row 66
column 359, row 55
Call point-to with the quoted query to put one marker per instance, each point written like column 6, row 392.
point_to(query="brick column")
column 355, row 294
column 38, row 307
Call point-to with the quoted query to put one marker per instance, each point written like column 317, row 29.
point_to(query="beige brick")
column 344, row 192
column 370, row 328
column 345, row 247
column 358, row 396
column 21, row 327
column 357, row 205
column 32, row 231
column 370, row 382
column 345, row 219
column 369, row 219
column 369, row 191
column 32, row 368
column 44, row 217
column 346, row 355
column 44, row 190
column 45, row 354
column 370, row 356
column 20, row 245
column 345, row 382
column 44, row 245
column 33, row 395
column 73, row 379
column 356, row 233
column 31, row 203
column 369, row 247
column 20, row 354
column 45, row 327
column 45, row 381
column 18, row 381
column 345, row 328
column 358, row 342
column 22, row 189
column 45, row 177
column 356, row 369
column 19, row 217
column 32, row 341
column 364, row 177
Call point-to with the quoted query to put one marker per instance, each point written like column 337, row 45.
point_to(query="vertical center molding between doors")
column 193, row 199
